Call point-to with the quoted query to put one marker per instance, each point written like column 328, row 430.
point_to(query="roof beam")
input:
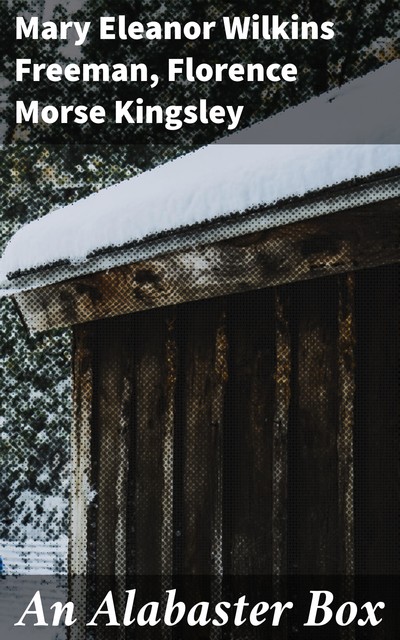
column 360, row 238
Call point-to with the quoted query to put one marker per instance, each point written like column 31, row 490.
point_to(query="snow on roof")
column 222, row 179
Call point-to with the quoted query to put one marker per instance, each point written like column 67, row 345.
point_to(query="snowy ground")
column 15, row 596
column 30, row 567
column 34, row 557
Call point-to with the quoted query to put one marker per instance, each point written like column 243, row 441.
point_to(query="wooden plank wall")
column 377, row 411
column 313, row 514
column 253, row 434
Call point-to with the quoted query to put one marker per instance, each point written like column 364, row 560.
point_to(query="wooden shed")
column 236, row 372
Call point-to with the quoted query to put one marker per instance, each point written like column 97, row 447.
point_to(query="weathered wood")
column 248, row 434
column 113, row 385
column 377, row 433
column 206, row 372
column 346, row 344
column 280, row 436
column 81, row 477
column 155, row 378
column 167, row 527
column 112, row 392
column 346, row 382
column 220, row 436
column 81, row 437
column 328, row 245
column 313, row 470
column 217, row 407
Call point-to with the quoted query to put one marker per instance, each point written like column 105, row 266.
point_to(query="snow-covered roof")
column 219, row 180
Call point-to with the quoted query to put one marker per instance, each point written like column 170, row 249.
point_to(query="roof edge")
column 368, row 190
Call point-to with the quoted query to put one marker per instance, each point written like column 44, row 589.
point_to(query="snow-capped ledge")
column 218, row 180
